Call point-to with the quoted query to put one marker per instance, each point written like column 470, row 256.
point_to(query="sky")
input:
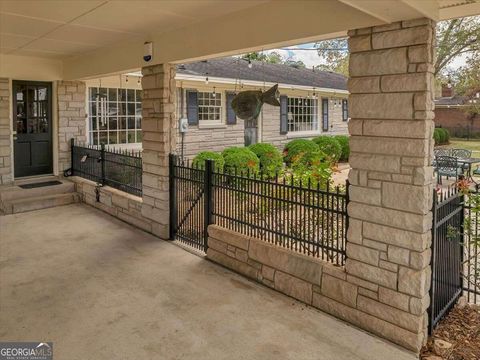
column 311, row 58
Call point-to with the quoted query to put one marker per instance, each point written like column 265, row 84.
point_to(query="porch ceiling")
column 98, row 37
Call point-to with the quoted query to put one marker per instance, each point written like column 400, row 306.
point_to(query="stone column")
column 159, row 126
column 71, row 119
column 391, row 127
column 5, row 133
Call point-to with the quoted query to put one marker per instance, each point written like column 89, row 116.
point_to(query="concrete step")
column 12, row 193
column 39, row 202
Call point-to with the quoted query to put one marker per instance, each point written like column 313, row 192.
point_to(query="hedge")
column 270, row 158
column 330, row 146
column 344, row 141
column 441, row 136
column 295, row 149
column 201, row 157
column 240, row 159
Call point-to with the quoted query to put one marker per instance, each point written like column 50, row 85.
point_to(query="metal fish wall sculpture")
column 247, row 104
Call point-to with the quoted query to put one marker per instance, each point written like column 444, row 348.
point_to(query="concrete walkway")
column 100, row 289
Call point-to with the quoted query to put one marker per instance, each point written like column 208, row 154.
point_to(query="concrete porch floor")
column 101, row 289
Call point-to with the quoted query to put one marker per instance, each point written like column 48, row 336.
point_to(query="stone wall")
column 391, row 128
column 159, row 128
column 117, row 203
column 5, row 133
column 320, row 284
column 71, row 119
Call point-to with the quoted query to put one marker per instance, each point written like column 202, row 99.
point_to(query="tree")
column 273, row 58
column 335, row 55
column 454, row 38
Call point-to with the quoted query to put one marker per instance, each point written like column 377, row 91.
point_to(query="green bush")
column 296, row 149
column 345, row 144
column 199, row 160
column 240, row 159
column 270, row 158
column 330, row 146
column 441, row 136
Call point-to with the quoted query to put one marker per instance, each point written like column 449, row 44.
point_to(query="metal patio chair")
column 447, row 166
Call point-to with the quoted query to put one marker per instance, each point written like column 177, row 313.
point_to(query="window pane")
column 122, row 123
column 131, row 123
column 112, row 94
column 102, row 92
column 139, row 122
column 122, row 95
column 131, row 95
column 139, row 94
column 112, row 137
column 122, row 137
column 103, row 137
column 93, row 94
column 131, row 109
column 139, row 136
column 93, row 122
column 112, row 108
column 43, row 125
column 93, row 108
column 112, row 123
column 131, row 137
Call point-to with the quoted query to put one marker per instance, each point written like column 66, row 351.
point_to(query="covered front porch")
column 102, row 289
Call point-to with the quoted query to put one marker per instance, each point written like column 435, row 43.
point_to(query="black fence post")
column 347, row 219
column 102, row 161
column 72, row 149
column 431, row 309
column 208, row 194
column 172, row 199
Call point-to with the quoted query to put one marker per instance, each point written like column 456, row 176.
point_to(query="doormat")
column 40, row 184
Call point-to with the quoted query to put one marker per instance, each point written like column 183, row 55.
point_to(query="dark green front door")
column 32, row 121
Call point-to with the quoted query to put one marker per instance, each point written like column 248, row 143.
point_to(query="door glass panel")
column 43, row 125
column 21, row 126
column 42, row 94
column 21, row 110
column 32, row 126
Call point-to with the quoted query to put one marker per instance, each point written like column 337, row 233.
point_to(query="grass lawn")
column 473, row 145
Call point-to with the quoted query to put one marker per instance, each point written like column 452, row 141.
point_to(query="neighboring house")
column 450, row 114
column 313, row 103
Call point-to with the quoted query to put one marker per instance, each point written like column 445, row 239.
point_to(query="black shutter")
column 325, row 114
column 192, row 107
column 345, row 109
column 231, row 117
column 283, row 114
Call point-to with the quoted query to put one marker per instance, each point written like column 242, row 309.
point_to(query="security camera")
column 148, row 51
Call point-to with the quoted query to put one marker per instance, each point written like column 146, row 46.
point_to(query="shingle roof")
column 236, row 68
column 455, row 100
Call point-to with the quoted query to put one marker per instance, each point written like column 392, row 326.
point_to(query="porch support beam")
column 159, row 139
column 391, row 128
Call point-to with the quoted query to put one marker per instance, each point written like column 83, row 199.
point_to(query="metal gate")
column 189, row 202
column 447, row 253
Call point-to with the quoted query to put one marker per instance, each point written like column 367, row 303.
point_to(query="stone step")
column 40, row 202
column 12, row 193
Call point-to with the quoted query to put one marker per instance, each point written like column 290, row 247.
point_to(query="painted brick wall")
column 5, row 133
column 71, row 118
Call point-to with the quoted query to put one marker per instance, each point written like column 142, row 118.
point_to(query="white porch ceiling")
column 60, row 28
column 99, row 37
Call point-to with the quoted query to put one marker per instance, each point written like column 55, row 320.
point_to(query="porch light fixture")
column 206, row 78
column 214, row 93
column 126, row 78
column 250, row 65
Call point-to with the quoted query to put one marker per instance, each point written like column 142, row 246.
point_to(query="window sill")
column 212, row 126
column 303, row 134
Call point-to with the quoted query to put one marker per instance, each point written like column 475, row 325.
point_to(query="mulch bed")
column 461, row 329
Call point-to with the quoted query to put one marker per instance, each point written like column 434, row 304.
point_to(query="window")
column 302, row 114
column 115, row 116
column 209, row 107
column 345, row 109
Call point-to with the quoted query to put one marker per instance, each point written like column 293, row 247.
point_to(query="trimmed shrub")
column 201, row 157
column 271, row 161
column 441, row 136
column 240, row 159
column 345, row 144
column 297, row 148
column 330, row 146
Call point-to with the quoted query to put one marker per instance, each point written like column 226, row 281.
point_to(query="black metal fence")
column 471, row 246
column 300, row 217
column 447, row 253
column 120, row 169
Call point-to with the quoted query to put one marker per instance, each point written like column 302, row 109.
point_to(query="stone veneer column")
column 159, row 139
column 5, row 133
column 71, row 119
column 391, row 109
